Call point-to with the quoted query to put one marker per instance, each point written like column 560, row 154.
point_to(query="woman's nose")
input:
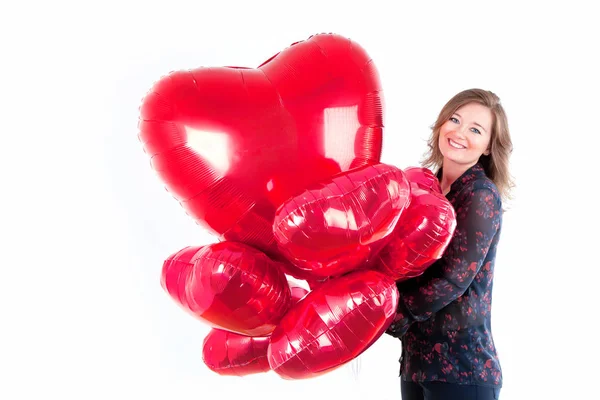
column 461, row 131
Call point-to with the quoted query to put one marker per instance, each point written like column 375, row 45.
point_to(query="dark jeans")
column 446, row 391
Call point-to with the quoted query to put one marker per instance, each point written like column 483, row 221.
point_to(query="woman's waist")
column 425, row 339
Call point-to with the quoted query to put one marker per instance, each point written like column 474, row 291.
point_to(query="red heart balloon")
column 338, row 224
column 232, row 354
column 423, row 178
column 228, row 353
column 228, row 285
column 422, row 233
column 333, row 324
column 232, row 144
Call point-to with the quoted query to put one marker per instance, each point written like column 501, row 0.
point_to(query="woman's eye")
column 476, row 131
column 454, row 120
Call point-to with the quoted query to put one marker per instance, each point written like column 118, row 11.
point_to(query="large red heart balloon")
column 333, row 324
column 228, row 285
column 232, row 143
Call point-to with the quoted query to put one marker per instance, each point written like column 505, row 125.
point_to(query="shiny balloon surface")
column 423, row 231
column 228, row 285
column 232, row 144
column 333, row 324
column 340, row 223
column 229, row 353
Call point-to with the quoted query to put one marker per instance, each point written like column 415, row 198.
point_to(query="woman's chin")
column 454, row 159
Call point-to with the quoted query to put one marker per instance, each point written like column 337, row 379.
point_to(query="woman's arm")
column 477, row 222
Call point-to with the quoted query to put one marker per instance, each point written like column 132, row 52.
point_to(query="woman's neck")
column 451, row 171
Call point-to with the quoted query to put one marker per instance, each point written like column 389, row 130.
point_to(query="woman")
column 444, row 315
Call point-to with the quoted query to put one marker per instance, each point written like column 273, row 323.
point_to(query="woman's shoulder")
column 483, row 189
column 485, row 183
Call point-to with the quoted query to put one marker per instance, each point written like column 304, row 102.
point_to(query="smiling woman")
column 463, row 140
column 472, row 128
column 444, row 316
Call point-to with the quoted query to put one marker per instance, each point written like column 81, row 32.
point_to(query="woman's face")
column 466, row 135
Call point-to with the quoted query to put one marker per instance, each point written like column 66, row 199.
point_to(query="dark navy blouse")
column 444, row 315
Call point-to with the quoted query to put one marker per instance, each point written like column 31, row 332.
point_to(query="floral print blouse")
column 444, row 316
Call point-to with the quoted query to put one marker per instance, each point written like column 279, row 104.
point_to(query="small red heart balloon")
column 232, row 144
column 422, row 233
column 232, row 354
column 228, row 285
column 333, row 324
column 228, row 353
column 423, row 178
column 336, row 225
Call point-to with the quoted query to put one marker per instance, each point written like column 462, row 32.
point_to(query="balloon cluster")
column 282, row 163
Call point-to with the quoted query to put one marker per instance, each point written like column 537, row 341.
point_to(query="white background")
column 85, row 224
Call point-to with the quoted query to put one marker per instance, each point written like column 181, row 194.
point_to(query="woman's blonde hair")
column 496, row 164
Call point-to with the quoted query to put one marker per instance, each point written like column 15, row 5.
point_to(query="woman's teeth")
column 455, row 145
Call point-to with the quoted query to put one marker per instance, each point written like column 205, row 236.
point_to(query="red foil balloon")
column 232, row 144
column 232, row 354
column 423, row 178
column 421, row 235
column 230, row 286
column 333, row 324
column 336, row 225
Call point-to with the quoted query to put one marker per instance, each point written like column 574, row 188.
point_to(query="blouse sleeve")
column 477, row 222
